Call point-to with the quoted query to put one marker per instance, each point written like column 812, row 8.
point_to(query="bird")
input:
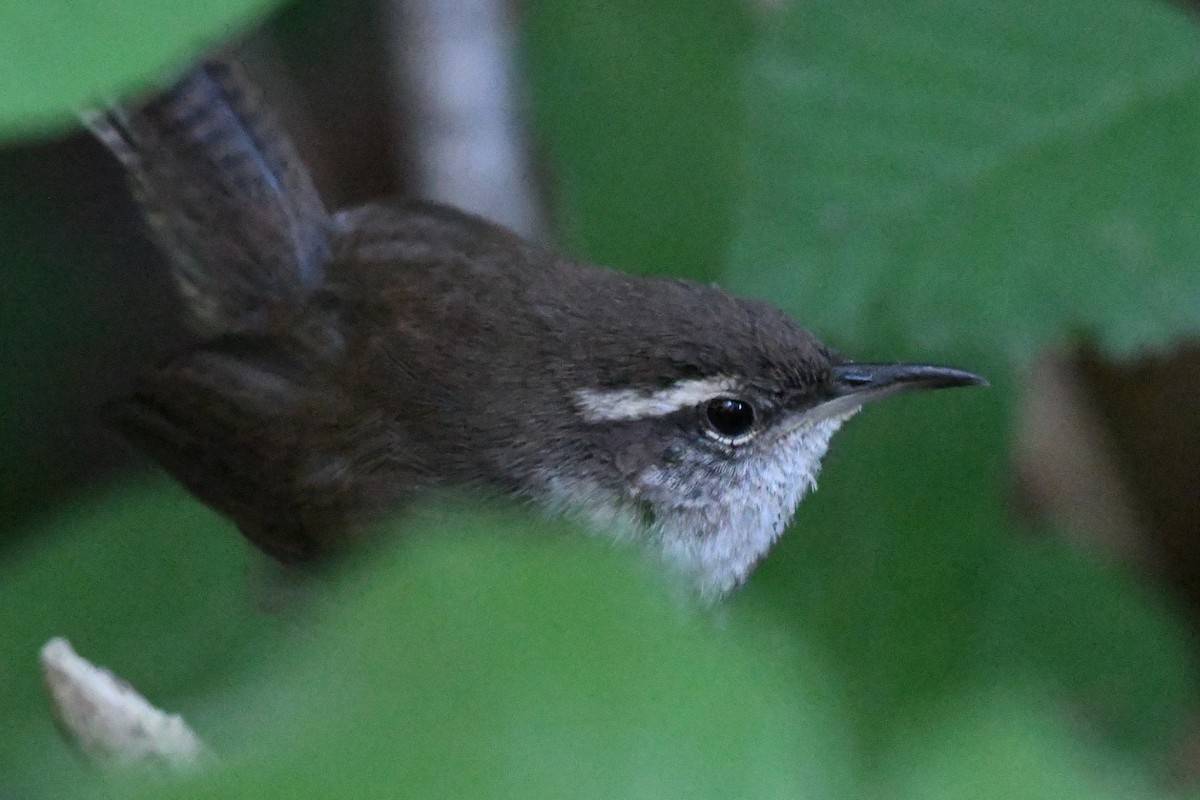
column 350, row 362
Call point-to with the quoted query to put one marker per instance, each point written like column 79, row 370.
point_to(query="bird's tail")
column 225, row 195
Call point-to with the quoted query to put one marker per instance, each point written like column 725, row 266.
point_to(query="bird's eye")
column 729, row 417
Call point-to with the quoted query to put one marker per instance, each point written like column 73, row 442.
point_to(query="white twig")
column 109, row 721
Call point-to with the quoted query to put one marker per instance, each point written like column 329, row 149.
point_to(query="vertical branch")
column 455, row 77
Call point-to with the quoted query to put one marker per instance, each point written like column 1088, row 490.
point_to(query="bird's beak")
column 869, row 381
column 851, row 384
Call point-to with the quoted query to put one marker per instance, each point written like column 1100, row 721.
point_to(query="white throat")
column 719, row 541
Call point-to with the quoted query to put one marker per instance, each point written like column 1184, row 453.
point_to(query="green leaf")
column 493, row 657
column 636, row 105
column 1005, row 745
column 889, row 562
column 1104, row 643
column 60, row 56
column 984, row 175
column 144, row 580
column 907, row 567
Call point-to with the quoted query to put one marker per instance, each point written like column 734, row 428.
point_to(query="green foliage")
column 60, row 56
column 511, row 658
column 508, row 660
column 143, row 579
column 958, row 182
column 1002, row 745
column 924, row 589
column 980, row 175
column 641, row 119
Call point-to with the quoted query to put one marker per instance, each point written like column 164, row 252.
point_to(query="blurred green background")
column 971, row 183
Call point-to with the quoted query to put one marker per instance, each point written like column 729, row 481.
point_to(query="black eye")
column 729, row 417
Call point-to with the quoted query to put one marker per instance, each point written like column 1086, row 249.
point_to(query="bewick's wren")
column 355, row 360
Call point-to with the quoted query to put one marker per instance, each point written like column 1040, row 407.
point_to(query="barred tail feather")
column 225, row 195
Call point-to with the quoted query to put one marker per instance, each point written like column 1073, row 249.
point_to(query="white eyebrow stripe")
column 613, row 405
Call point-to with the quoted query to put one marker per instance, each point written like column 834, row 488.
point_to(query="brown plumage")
column 354, row 360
